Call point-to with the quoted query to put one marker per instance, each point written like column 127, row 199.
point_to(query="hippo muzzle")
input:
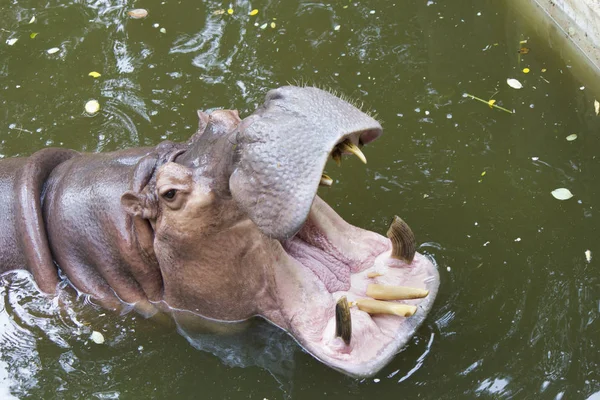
column 229, row 226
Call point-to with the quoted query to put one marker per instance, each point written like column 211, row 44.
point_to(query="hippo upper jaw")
column 329, row 258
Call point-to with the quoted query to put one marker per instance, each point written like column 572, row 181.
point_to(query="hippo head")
column 238, row 231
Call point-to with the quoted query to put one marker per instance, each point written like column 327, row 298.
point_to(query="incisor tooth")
column 325, row 180
column 390, row 292
column 350, row 147
column 385, row 307
column 336, row 154
column 343, row 321
column 403, row 240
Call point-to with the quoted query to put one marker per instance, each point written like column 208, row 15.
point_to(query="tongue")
column 282, row 149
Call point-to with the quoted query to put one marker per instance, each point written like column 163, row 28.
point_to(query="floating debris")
column 491, row 103
column 230, row 11
column 32, row 20
column 138, row 13
column 97, row 337
column 513, row 83
column 219, row 12
column 525, row 70
column 524, row 50
column 253, row 12
column 572, row 137
column 53, row 50
column 92, row 107
column 32, row 35
column 596, row 106
column 12, row 41
column 163, row 30
column 562, row 194
column 588, row 255
column 94, row 74
column 337, row 27
column 273, row 25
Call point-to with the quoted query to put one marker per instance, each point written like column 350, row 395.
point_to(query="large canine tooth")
column 385, row 307
column 343, row 321
column 350, row 147
column 336, row 154
column 325, row 180
column 389, row 292
column 403, row 240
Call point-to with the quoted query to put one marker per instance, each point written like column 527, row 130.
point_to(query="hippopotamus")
column 226, row 226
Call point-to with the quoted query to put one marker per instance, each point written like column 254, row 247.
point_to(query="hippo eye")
column 170, row 194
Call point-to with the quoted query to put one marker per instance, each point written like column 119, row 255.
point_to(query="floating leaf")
column 97, row 337
column 33, row 35
column 483, row 173
column 523, row 41
column 273, row 25
column 219, row 12
column 337, row 27
column 254, row 12
column 12, row 41
column 53, row 50
column 491, row 102
column 525, row 70
column 92, row 107
column 94, row 74
column 544, row 70
column 572, row 137
column 32, row 20
column 230, row 11
column 588, row 255
column 524, row 50
column 562, row 194
column 596, row 106
column 138, row 13
column 513, row 83
column 163, row 30
column 263, row 26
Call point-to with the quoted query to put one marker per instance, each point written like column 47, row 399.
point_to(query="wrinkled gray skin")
column 226, row 226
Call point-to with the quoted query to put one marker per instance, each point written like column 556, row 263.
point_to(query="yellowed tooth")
column 350, row 147
column 385, row 307
column 374, row 274
column 343, row 321
column 336, row 154
column 390, row 292
column 403, row 240
column 325, row 180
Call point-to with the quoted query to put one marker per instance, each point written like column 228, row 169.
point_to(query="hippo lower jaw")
column 329, row 258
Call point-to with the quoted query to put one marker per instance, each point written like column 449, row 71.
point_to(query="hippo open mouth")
column 332, row 281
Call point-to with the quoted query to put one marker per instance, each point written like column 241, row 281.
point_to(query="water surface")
column 517, row 313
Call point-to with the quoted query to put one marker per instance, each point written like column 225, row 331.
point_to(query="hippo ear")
column 138, row 205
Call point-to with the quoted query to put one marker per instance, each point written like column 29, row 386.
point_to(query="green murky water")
column 518, row 311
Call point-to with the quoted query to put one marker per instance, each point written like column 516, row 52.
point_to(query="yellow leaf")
column 491, row 102
column 526, row 70
column 523, row 41
column 230, row 11
column 218, row 12
column 94, row 74
column 33, row 35
column 273, row 25
column 483, row 173
column 254, row 12
column 544, row 70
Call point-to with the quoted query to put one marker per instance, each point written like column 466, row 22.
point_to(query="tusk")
column 325, row 180
column 403, row 240
column 336, row 154
column 389, row 292
column 374, row 274
column 350, row 147
column 343, row 321
column 385, row 307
